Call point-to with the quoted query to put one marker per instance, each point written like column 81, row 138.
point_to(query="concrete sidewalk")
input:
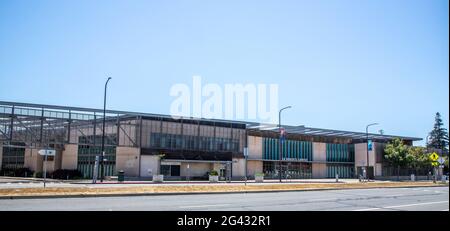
column 19, row 182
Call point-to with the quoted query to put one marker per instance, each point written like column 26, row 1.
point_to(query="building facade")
column 143, row 145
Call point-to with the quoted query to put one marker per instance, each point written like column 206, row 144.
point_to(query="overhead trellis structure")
column 44, row 125
column 320, row 132
column 38, row 125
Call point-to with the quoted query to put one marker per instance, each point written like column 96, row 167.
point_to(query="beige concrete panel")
column 57, row 159
column 319, row 170
column 149, row 163
column 50, row 165
column 319, row 151
column 33, row 160
column 254, row 147
column 361, row 155
column 238, row 167
column 218, row 166
column 195, row 169
column 69, row 158
column 378, row 169
column 254, row 166
column 127, row 159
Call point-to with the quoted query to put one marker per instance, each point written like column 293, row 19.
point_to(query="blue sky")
column 340, row 64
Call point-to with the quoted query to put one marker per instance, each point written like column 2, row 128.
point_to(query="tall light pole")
column 367, row 148
column 103, row 132
column 279, row 145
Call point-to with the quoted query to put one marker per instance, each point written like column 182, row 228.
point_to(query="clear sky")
column 340, row 64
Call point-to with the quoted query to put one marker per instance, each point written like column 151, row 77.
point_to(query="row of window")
column 174, row 141
column 110, row 139
column 86, row 159
column 294, row 170
column 340, row 152
column 13, row 157
column 291, row 149
column 343, row 170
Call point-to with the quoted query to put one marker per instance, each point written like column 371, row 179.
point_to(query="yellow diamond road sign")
column 434, row 156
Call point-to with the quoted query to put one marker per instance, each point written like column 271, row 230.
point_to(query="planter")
column 259, row 179
column 158, row 178
column 213, row 179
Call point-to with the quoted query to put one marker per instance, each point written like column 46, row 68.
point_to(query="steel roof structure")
column 89, row 114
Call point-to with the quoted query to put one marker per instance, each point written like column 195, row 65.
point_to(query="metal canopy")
column 308, row 131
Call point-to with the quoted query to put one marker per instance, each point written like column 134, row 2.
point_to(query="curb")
column 197, row 193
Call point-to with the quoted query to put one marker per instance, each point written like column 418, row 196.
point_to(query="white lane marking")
column 399, row 206
column 397, row 195
column 201, row 206
column 323, row 199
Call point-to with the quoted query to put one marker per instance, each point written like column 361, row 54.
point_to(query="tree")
column 396, row 153
column 439, row 135
column 419, row 158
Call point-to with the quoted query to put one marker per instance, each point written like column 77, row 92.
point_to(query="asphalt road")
column 385, row 199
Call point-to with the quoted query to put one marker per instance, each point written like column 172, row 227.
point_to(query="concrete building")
column 143, row 144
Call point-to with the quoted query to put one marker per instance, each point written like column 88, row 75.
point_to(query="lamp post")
column 367, row 148
column 103, row 133
column 427, row 142
column 279, row 146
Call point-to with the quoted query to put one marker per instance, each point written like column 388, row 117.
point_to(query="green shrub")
column 213, row 173
column 259, row 174
column 19, row 172
column 66, row 174
column 38, row 175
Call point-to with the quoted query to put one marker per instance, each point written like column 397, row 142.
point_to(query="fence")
column 394, row 171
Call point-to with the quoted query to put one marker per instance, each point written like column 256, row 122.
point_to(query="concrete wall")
column 319, row 170
column 254, row 147
column 254, row 166
column 378, row 169
column 33, row 160
column 69, row 158
column 149, row 162
column 238, row 168
column 127, row 159
column 196, row 169
column 319, row 151
column 361, row 155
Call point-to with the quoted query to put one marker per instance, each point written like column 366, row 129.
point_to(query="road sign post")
column 434, row 158
column 246, row 156
column 188, row 173
column 95, row 173
column 46, row 153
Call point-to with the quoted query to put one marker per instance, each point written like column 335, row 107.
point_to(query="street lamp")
column 103, row 132
column 279, row 146
column 367, row 148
